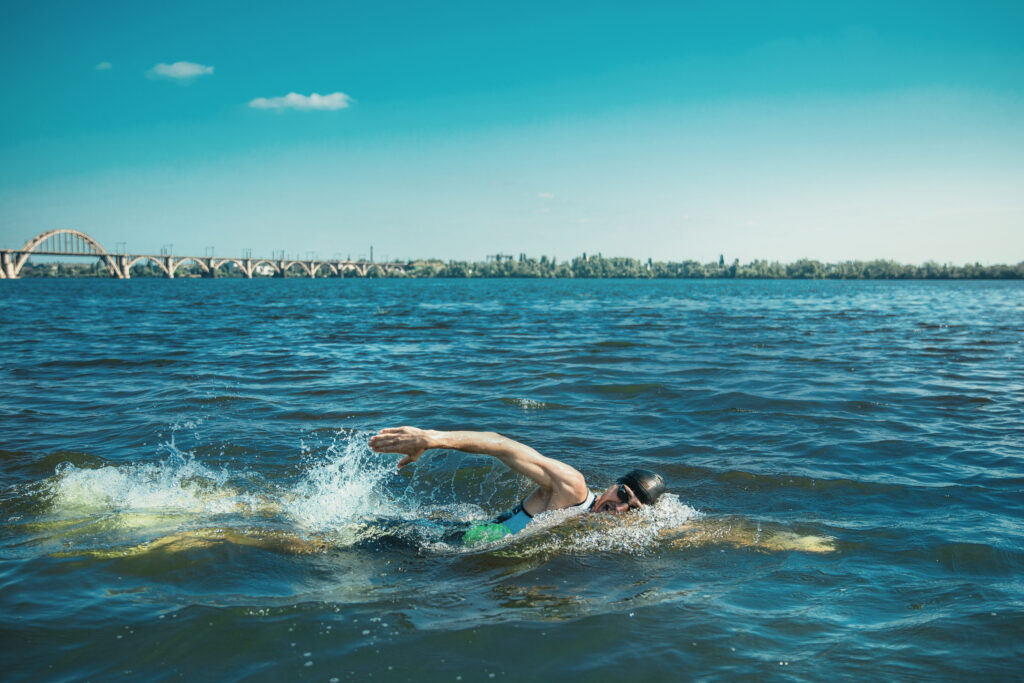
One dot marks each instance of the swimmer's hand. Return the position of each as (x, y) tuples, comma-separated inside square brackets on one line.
[(409, 441)]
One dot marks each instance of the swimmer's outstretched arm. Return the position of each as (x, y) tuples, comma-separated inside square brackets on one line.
[(561, 484)]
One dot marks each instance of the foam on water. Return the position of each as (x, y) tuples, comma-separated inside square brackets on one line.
[(175, 484), (344, 485), (340, 496), (636, 532), (644, 527), (574, 532), (530, 403)]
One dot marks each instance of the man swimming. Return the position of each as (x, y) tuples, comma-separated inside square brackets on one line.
[(559, 486)]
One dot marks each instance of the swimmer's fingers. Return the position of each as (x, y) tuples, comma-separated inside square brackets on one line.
[(400, 430), (381, 443), (387, 442), (408, 456), (389, 436), (406, 440), (409, 459), (393, 444)]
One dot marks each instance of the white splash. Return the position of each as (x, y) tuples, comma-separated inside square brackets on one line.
[(529, 403), (634, 532), (175, 484), (574, 532), (341, 488)]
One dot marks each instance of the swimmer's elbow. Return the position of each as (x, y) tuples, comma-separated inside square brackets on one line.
[(572, 483)]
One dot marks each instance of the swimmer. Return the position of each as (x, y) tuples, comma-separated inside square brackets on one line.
[(559, 486)]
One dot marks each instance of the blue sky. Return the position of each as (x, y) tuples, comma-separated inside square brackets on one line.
[(455, 130)]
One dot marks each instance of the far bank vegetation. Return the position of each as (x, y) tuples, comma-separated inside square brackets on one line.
[(598, 266)]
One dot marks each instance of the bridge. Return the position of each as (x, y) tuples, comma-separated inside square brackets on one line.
[(67, 242)]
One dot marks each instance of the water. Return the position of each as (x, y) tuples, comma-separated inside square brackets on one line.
[(187, 491)]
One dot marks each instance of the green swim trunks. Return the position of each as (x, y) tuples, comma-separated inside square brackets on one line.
[(488, 532)]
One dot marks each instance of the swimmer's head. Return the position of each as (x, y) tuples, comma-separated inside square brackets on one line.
[(648, 486), (633, 490)]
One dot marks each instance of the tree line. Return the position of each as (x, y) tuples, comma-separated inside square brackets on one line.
[(598, 266)]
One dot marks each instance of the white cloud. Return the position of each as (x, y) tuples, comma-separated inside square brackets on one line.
[(293, 100), (546, 195), (104, 66), (180, 71)]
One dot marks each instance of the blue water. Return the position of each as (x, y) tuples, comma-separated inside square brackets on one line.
[(187, 492)]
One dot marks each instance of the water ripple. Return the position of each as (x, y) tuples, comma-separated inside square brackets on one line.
[(184, 474)]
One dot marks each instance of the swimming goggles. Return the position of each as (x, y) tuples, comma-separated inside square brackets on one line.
[(623, 493)]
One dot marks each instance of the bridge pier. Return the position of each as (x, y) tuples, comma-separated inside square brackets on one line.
[(168, 266), (7, 265), (210, 270), (247, 267), (122, 271)]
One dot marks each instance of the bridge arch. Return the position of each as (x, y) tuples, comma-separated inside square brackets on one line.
[(66, 241), (256, 267), (215, 265), (177, 264), (159, 263), (288, 265), (317, 265)]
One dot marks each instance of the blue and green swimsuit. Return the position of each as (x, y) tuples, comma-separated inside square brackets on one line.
[(512, 522)]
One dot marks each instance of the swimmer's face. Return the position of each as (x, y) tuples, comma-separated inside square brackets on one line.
[(618, 498)]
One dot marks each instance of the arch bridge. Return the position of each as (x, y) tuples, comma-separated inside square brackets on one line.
[(66, 242)]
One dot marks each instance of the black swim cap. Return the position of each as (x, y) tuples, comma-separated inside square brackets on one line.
[(648, 486)]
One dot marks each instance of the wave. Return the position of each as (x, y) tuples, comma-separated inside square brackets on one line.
[(533, 404), (223, 400), (110, 363), (966, 558), (628, 391), (751, 481), (618, 344)]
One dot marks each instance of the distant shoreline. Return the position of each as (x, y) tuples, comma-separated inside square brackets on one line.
[(601, 267)]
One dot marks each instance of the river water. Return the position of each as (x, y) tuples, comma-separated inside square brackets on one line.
[(187, 491)]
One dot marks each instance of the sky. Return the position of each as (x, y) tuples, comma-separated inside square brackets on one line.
[(455, 130)]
